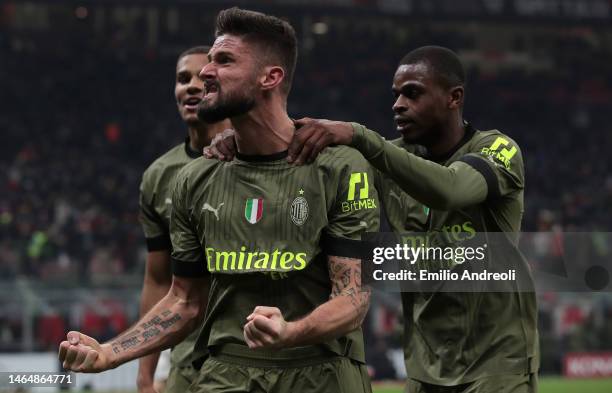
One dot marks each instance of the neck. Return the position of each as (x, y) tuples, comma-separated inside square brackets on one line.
[(449, 137), (266, 129), (200, 135)]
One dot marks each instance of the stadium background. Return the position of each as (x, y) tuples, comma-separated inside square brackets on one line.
[(87, 103)]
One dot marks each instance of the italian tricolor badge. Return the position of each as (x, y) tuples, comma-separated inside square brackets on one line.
[(253, 210)]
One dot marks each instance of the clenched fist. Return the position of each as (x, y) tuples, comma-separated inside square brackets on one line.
[(266, 328), (84, 354)]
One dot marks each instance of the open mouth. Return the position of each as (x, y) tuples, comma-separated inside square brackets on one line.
[(210, 88), (192, 103)]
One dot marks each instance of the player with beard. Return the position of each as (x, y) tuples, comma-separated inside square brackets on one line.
[(278, 242), (155, 206), (445, 177)]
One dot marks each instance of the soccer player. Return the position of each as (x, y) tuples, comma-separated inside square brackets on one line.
[(155, 206), (277, 242), (469, 182), (443, 176)]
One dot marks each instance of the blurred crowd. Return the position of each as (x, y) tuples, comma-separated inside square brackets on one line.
[(82, 120)]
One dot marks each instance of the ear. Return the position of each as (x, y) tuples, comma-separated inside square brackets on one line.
[(272, 77), (455, 97)]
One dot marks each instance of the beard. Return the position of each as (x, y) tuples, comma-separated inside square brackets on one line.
[(226, 107)]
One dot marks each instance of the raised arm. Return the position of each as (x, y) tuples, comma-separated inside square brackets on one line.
[(165, 325), (469, 181), (435, 185)]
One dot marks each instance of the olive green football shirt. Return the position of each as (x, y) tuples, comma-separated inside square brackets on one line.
[(155, 207), (476, 190), (263, 229)]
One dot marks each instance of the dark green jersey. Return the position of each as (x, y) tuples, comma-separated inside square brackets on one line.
[(402, 211), (454, 338), (156, 194), (155, 206), (263, 228)]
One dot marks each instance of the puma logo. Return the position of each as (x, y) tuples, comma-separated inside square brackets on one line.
[(212, 209), (396, 196)]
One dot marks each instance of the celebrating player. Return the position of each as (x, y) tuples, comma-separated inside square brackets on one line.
[(277, 241), (156, 203), (478, 342), (443, 174)]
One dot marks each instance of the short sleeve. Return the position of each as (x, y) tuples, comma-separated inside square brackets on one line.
[(356, 206), (187, 251), (154, 228), (500, 161)]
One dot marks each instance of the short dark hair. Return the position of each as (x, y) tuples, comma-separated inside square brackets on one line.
[(194, 50), (446, 65), (275, 36)]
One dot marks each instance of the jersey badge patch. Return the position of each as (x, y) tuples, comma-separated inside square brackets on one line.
[(253, 210), (299, 209)]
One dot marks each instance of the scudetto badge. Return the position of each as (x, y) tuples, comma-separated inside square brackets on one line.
[(299, 210), (253, 210)]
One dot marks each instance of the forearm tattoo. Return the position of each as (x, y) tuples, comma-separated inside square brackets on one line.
[(345, 275), (146, 331)]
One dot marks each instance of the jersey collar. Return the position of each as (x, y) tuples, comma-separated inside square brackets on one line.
[(189, 151), (469, 133), (262, 158)]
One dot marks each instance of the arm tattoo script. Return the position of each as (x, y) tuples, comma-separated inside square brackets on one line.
[(146, 331), (345, 275)]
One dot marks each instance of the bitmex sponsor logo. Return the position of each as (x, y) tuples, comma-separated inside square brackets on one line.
[(245, 260), (504, 155), (362, 201)]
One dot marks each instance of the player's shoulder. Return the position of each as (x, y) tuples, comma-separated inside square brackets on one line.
[(491, 137), (198, 168), (340, 156), (337, 161), (172, 157), (497, 147)]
